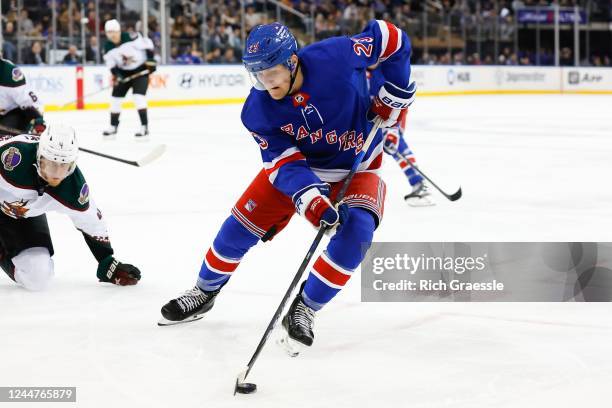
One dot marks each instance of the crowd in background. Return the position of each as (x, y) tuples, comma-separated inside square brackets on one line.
[(442, 31)]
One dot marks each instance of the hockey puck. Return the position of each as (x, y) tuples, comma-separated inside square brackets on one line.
[(245, 388)]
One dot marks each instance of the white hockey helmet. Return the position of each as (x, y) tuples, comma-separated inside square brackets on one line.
[(112, 25), (57, 145)]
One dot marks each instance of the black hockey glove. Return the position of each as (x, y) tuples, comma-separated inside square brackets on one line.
[(113, 271)]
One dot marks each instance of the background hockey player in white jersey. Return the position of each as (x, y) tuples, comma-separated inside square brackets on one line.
[(20, 107), (37, 176), (130, 58)]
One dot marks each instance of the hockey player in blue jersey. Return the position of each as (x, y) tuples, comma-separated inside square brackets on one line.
[(395, 145), (309, 111)]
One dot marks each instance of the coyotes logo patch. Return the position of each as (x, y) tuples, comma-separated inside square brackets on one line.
[(127, 59), (11, 158), (15, 209)]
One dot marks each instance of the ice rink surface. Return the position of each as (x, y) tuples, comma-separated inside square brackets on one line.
[(532, 168)]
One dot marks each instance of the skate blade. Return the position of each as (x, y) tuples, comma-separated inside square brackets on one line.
[(290, 346), (165, 322), (109, 137), (419, 202), (142, 138)]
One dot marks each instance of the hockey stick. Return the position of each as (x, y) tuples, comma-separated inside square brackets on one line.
[(452, 197), (12, 131), (249, 387), (122, 81), (154, 154)]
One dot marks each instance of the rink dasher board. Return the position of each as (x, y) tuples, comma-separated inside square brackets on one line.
[(181, 85)]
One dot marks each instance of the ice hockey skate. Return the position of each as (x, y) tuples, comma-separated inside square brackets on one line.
[(110, 133), (420, 196), (142, 135), (190, 306), (297, 325)]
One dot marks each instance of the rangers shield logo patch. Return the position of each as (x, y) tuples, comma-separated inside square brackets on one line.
[(11, 158), (250, 205), (84, 194)]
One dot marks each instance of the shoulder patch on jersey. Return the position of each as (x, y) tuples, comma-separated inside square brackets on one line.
[(84, 194), (11, 158), (17, 74), (17, 163), (10, 75)]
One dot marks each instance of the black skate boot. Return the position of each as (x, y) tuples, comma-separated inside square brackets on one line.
[(298, 323), (188, 307)]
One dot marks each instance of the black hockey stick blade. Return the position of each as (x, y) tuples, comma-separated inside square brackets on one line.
[(455, 196), (242, 387)]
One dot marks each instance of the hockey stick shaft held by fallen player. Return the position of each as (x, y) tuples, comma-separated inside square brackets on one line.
[(154, 154), (309, 254), (123, 80)]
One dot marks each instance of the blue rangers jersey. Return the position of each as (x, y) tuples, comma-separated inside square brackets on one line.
[(311, 137)]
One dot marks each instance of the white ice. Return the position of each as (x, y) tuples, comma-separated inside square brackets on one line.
[(532, 168)]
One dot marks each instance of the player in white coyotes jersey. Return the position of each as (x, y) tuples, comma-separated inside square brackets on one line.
[(130, 58), (20, 107), (38, 175)]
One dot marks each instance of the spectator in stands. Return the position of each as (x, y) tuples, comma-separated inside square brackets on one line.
[(513, 60), (9, 50), (566, 58), (189, 56), (71, 58), (92, 50), (235, 41), (35, 55), (26, 26), (214, 57), (92, 20), (251, 18), (229, 57)]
